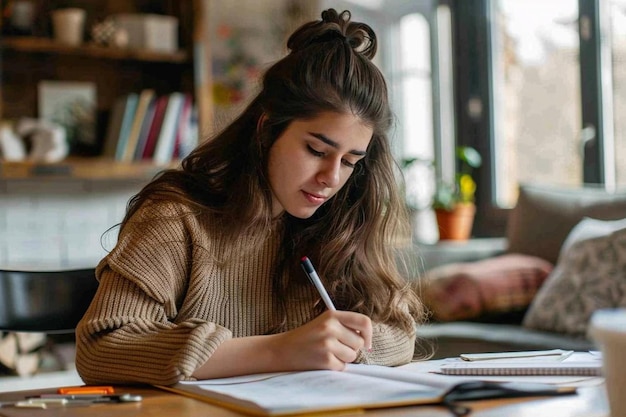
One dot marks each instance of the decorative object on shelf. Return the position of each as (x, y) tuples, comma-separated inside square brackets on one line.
[(33, 140), (149, 31), (454, 202), (47, 140), (12, 146), (108, 33), (18, 17), (71, 105), (68, 25)]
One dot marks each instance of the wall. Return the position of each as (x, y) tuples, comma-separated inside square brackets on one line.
[(55, 224), (247, 36)]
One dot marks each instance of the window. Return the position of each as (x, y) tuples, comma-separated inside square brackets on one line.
[(536, 95), (616, 13), (407, 32), (540, 88), (416, 57), (411, 84)]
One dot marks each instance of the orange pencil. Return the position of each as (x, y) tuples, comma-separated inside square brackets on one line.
[(93, 389)]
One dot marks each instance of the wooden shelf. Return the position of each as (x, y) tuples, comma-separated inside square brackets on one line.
[(81, 169), (47, 45), (116, 72)]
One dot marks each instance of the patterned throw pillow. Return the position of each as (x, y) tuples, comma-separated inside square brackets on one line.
[(471, 290), (590, 274)]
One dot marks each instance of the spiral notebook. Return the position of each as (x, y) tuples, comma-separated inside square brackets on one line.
[(520, 368)]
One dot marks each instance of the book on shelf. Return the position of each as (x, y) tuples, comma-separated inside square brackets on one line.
[(166, 141), (127, 120), (155, 127), (114, 127), (358, 387), (182, 130), (145, 129), (143, 103), (192, 138)]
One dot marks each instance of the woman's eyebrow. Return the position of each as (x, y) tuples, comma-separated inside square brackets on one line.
[(334, 144)]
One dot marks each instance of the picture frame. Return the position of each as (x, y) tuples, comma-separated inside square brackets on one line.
[(72, 105)]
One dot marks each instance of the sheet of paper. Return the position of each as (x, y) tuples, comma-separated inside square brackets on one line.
[(318, 389)]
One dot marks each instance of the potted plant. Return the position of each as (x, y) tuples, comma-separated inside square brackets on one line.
[(454, 202)]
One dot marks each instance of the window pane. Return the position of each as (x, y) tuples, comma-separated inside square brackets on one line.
[(412, 97), (617, 16), (537, 112), (415, 87)]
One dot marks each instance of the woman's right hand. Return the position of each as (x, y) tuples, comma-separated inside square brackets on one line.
[(330, 341)]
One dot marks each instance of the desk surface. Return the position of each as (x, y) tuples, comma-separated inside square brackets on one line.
[(589, 401)]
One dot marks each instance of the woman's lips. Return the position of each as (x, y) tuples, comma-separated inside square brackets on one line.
[(314, 198)]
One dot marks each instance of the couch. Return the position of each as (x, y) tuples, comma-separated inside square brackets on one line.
[(563, 256)]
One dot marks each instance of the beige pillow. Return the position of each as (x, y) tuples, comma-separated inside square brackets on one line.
[(544, 216), (469, 290), (591, 274)]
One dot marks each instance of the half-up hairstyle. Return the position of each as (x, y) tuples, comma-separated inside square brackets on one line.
[(351, 238)]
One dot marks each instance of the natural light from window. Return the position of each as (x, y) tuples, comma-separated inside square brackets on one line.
[(617, 15), (537, 112)]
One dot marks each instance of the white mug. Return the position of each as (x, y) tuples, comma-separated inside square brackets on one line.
[(608, 329), (68, 25)]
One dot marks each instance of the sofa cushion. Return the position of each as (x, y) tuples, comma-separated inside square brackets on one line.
[(544, 216), (469, 290), (590, 274)]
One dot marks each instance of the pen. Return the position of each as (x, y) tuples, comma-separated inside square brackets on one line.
[(315, 280)]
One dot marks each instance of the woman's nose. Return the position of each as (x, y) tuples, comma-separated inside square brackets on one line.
[(329, 173)]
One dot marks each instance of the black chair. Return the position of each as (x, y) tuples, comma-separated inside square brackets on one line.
[(50, 302)]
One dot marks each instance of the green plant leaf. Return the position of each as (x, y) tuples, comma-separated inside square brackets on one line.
[(469, 155)]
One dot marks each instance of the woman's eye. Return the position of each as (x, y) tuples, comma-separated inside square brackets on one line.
[(348, 163), (315, 152)]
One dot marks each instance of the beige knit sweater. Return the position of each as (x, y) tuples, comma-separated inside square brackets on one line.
[(168, 298)]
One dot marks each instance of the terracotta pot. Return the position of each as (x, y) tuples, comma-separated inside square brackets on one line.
[(457, 223)]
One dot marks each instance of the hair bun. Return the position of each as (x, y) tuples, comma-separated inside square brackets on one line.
[(335, 26)]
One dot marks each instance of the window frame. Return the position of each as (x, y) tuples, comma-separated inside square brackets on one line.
[(474, 84)]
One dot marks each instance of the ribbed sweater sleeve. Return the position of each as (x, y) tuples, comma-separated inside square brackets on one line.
[(134, 330), (390, 346)]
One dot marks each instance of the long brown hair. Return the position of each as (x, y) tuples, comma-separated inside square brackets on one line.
[(352, 239)]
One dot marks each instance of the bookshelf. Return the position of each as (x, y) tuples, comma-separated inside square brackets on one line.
[(28, 59), (46, 45), (81, 169)]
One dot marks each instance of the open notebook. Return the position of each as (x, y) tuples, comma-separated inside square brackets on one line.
[(358, 387)]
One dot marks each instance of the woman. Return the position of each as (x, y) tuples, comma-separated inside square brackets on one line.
[(205, 279)]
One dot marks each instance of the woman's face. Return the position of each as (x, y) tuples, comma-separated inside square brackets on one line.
[(313, 159)]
